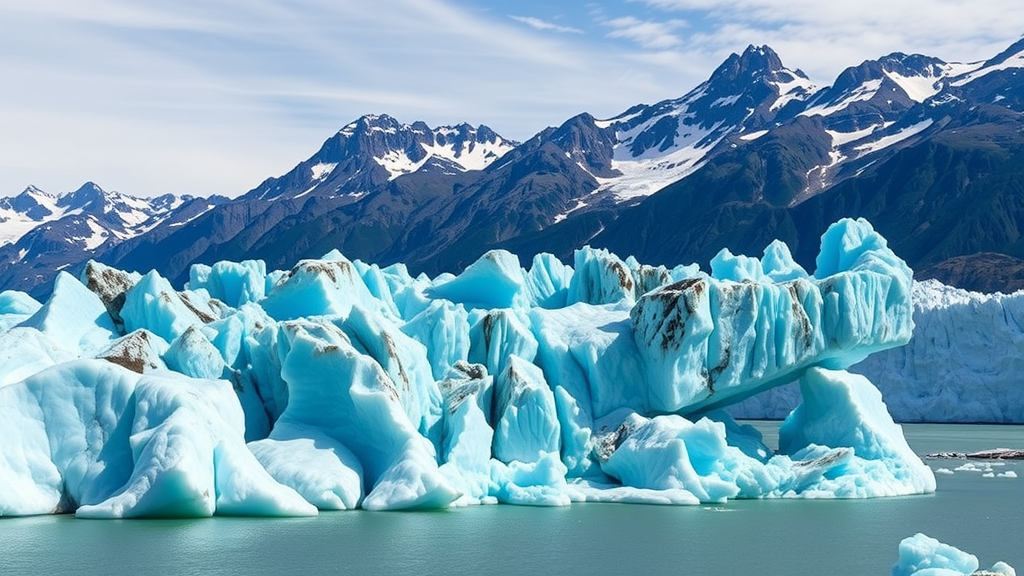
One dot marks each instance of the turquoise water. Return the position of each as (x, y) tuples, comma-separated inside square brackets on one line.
[(984, 516)]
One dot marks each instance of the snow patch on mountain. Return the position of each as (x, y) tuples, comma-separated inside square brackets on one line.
[(20, 214), (918, 88), (98, 237), (1008, 62), (841, 138), (864, 92), (467, 155), (886, 141), (407, 148), (471, 155), (580, 204), (320, 170), (796, 89), (653, 170)]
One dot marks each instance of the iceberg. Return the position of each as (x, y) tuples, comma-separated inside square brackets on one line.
[(840, 443), (963, 363), (921, 555), (339, 385), (94, 438)]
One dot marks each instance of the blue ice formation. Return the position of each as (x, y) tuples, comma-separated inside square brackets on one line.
[(969, 340), (339, 384), (921, 555)]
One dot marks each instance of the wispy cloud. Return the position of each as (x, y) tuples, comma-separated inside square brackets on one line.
[(651, 34), (538, 24)]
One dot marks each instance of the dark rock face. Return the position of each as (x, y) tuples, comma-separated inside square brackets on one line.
[(981, 272)]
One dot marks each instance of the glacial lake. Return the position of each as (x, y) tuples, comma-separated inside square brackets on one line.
[(984, 516)]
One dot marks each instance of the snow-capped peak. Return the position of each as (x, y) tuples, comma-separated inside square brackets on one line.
[(895, 81), (20, 214), (119, 215), (376, 148), (662, 143), (463, 146)]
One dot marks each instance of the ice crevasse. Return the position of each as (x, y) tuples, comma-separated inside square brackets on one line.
[(338, 384)]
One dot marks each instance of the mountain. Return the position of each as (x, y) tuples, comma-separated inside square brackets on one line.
[(41, 233), (376, 149), (660, 144), (929, 151), (386, 191), (934, 163)]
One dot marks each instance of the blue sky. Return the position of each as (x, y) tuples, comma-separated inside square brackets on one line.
[(213, 96)]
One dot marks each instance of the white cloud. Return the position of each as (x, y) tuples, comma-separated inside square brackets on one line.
[(649, 34), (823, 38), (538, 24)]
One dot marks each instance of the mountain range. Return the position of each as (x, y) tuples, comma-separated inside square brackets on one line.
[(931, 152)]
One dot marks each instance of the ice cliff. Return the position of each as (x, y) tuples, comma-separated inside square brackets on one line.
[(339, 384), (963, 363)]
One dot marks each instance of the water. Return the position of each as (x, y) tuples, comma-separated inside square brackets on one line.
[(984, 516)]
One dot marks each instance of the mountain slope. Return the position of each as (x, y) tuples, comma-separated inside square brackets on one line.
[(941, 181)]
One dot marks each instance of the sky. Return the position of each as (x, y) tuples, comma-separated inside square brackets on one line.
[(214, 96)]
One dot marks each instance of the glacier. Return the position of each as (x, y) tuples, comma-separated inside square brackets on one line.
[(963, 363), (339, 384)]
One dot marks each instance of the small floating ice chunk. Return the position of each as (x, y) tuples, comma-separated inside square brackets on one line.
[(920, 555)]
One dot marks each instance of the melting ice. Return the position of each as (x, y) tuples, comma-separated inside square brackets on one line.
[(338, 384)]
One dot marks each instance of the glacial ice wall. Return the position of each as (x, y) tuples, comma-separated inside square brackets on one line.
[(963, 364), (339, 384)]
